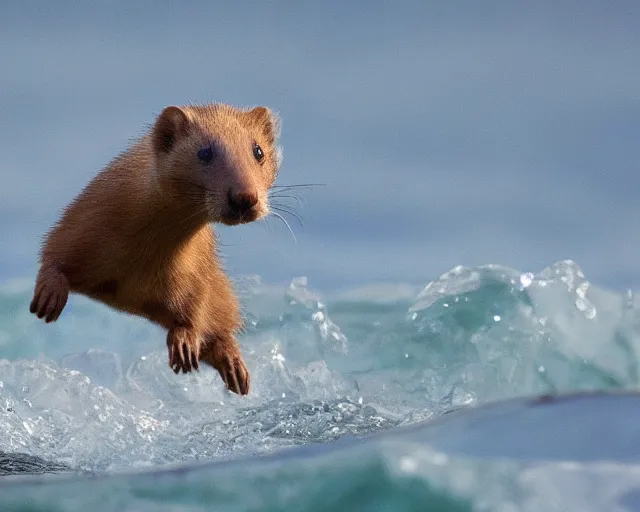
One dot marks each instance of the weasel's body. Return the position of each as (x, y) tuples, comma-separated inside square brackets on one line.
[(138, 237)]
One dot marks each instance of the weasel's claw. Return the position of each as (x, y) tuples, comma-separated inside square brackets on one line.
[(235, 375), (51, 295), (184, 349)]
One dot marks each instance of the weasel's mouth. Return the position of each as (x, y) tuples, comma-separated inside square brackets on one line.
[(233, 218)]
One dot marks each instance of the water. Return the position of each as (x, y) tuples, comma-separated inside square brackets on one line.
[(380, 398)]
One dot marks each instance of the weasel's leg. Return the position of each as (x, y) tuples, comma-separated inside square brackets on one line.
[(223, 353), (184, 348), (50, 294)]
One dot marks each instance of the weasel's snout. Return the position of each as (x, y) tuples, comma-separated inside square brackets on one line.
[(242, 201)]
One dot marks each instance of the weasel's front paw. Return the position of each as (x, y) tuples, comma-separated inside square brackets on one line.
[(50, 296), (184, 349), (223, 353), (234, 373)]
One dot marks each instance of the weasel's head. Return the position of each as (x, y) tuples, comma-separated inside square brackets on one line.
[(220, 159)]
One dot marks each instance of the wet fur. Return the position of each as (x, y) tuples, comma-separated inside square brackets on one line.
[(138, 236)]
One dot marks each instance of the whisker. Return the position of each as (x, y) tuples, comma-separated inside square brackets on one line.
[(281, 209), (302, 185), (286, 196), (286, 224), (266, 222)]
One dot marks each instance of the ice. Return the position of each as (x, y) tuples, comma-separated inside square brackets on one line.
[(576, 453), (89, 411), (321, 368), (303, 314), (103, 368), (583, 337), (20, 463)]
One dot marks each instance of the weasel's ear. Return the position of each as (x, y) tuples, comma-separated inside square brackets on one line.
[(172, 123), (267, 121)]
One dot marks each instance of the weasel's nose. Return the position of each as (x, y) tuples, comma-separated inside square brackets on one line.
[(243, 201)]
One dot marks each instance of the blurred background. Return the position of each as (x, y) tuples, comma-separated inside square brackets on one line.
[(444, 133)]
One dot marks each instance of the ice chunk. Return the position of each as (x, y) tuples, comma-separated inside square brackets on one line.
[(103, 368)]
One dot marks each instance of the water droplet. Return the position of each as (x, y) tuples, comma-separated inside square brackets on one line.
[(408, 464), (526, 279)]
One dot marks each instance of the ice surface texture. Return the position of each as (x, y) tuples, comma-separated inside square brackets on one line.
[(323, 368)]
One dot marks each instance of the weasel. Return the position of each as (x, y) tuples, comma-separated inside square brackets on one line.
[(138, 237)]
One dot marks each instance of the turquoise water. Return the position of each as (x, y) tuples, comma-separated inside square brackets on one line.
[(386, 397)]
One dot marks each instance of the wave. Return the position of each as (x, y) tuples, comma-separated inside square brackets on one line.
[(324, 369)]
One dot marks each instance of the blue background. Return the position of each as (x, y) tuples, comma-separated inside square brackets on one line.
[(445, 133)]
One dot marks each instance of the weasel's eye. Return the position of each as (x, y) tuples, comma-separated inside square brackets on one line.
[(257, 152), (205, 155)]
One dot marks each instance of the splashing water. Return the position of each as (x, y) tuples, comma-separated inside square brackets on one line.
[(371, 360)]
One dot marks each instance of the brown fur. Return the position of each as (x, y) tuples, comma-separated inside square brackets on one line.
[(138, 237)]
